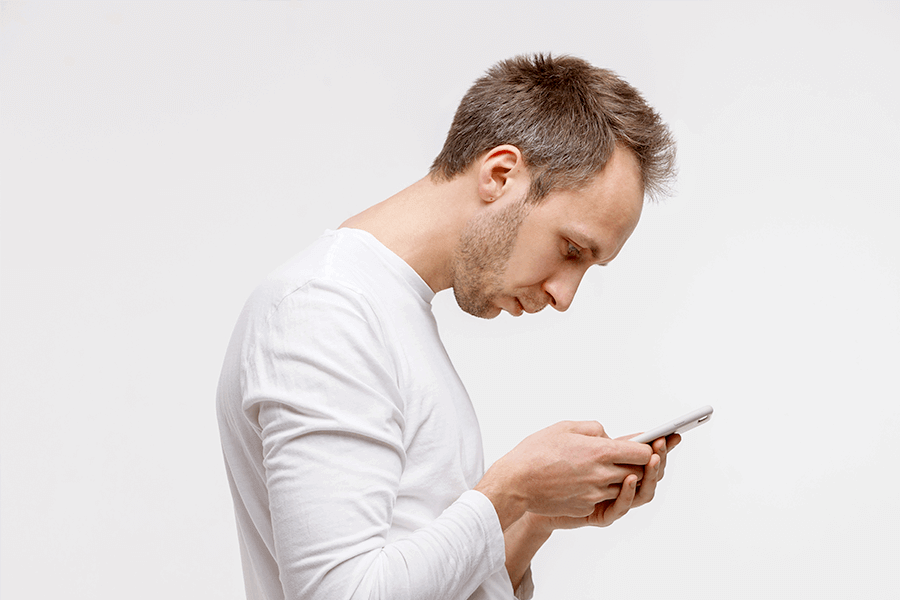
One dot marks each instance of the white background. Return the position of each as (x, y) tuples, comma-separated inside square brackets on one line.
[(159, 159)]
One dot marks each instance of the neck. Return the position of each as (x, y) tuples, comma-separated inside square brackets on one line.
[(422, 225)]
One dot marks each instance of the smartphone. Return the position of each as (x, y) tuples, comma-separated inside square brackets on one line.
[(679, 425)]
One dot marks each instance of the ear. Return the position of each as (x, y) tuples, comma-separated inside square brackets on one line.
[(501, 170)]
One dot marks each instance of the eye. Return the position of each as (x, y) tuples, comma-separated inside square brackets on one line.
[(573, 251)]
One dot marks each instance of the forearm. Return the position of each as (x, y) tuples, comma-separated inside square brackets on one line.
[(342, 547), (523, 532), (523, 539)]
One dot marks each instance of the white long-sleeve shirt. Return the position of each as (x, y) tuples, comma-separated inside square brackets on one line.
[(350, 443)]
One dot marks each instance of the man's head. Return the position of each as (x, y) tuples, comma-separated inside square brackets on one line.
[(522, 256), (588, 148), (565, 116)]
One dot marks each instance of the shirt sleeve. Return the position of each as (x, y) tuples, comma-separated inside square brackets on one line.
[(320, 385)]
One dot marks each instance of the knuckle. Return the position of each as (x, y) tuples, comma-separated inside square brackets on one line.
[(601, 454)]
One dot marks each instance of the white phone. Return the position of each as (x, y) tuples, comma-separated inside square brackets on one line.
[(679, 425)]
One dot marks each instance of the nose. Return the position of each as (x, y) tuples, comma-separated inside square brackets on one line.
[(561, 288)]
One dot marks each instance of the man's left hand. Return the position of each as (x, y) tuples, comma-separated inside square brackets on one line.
[(632, 494)]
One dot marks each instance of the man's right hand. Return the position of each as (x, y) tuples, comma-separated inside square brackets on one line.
[(563, 470)]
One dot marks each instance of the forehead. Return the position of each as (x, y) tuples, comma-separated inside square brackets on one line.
[(603, 214)]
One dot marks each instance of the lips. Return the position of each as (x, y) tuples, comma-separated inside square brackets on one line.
[(519, 308), (529, 310)]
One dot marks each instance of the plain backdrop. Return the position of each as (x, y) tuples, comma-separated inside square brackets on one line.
[(159, 159)]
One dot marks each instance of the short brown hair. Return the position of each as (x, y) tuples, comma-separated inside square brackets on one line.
[(565, 116)]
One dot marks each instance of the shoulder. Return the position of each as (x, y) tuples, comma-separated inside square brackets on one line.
[(328, 291), (328, 271)]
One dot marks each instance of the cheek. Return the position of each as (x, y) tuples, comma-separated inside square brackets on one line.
[(526, 269)]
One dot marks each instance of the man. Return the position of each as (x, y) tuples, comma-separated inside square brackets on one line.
[(352, 449)]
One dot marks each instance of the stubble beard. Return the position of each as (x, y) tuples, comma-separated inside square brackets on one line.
[(481, 256)]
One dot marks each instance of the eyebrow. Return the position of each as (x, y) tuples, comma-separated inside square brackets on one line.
[(585, 242)]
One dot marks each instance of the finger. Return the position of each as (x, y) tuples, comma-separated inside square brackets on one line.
[(615, 476), (660, 448), (630, 453), (672, 441), (592, 428), (616, 510), (648, 484)]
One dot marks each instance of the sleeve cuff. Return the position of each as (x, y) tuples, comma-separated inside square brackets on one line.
[(526, 588), (494, 542)]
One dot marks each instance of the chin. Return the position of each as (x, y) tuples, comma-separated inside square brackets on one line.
[(489, 311), (477, 305)]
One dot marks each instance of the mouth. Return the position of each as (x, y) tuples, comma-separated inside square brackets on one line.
[(530, 311), (517, 309)]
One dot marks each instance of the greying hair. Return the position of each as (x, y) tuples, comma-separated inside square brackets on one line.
[(566, 117)]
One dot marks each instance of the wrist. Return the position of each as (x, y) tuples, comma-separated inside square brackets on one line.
[(510, 504), (538, 525)]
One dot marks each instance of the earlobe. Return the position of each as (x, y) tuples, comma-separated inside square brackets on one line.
[(499, 168)]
